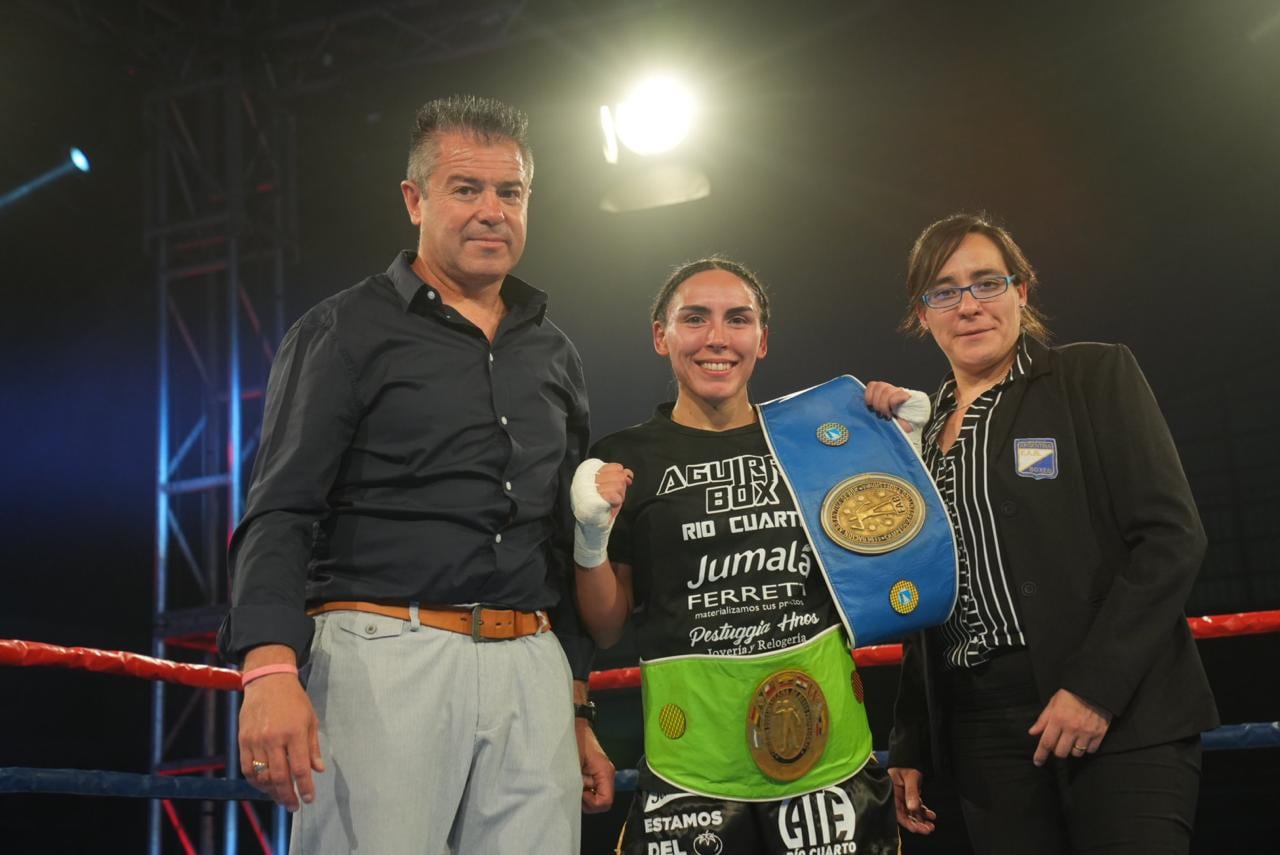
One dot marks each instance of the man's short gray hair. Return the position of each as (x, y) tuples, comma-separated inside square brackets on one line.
[(490, 120)]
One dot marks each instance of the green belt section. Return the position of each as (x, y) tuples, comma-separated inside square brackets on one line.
[(709, 699)]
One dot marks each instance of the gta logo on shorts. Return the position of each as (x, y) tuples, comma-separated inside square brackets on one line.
[(820, 823), (1036, 458)]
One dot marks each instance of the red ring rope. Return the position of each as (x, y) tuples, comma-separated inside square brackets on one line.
[(15, 652)]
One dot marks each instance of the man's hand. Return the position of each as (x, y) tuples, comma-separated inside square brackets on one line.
[(597, 770), (1069, 725), (278, 726), (912, 813)]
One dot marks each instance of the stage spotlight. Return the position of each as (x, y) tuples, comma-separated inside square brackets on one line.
[(76, 161), (650, 124), (656, 116)]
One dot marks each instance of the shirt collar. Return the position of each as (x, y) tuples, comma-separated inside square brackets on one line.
[(523, 300), (663, 420)]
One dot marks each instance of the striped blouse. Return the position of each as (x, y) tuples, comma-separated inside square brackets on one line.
[(985, 617)]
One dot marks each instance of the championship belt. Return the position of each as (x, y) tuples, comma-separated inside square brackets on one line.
[(756, 728), (877, 524)]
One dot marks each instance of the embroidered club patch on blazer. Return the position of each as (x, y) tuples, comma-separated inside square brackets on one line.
[(1036, 458)]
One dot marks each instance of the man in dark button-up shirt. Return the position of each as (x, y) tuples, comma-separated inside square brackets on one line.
[(421, 432)]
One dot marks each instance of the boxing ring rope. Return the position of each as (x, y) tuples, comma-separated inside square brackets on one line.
[(28, 653), (1249, 735), (32, 653)]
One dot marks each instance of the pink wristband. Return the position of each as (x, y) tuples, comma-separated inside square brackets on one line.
[(266, 671)]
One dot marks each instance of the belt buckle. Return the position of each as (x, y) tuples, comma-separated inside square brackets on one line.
[(476, 623), (788, 724)]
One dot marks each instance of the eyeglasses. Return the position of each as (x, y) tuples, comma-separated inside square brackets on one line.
[(951, 295)]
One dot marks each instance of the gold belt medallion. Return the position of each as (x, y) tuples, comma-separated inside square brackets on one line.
[(873, 513), (787, 725)]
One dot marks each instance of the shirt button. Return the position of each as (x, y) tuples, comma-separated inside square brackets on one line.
[(497, 538), (1028, 589), (1008, 508), (431, 295), (491, 359), (502, 419), (508, 486)]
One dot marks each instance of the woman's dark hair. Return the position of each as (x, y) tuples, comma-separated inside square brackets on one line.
[(713, 262), (936, 244)]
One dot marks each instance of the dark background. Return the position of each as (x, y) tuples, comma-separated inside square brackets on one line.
[(1132, 148)]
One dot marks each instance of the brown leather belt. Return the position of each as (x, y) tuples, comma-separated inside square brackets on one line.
[(482, 623)]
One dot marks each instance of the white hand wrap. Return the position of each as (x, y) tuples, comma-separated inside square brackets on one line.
[(592, 515), (915, 410)]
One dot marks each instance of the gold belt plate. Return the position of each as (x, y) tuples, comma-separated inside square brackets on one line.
[(787, 724), (872, 513)]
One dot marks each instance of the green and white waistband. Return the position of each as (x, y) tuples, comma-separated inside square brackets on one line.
[(756, 728)]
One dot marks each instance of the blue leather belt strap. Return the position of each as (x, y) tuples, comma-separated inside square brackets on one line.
[(881, 597)]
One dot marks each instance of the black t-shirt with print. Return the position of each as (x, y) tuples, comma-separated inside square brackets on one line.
[(719, 558)]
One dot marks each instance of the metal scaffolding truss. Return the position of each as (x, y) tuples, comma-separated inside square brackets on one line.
[(221, 226)]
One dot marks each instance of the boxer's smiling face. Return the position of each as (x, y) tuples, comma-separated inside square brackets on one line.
[(713, 336)]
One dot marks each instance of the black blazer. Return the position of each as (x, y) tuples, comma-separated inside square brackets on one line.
[(1102, 557)]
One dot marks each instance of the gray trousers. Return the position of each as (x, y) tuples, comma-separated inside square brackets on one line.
[(436, 744)]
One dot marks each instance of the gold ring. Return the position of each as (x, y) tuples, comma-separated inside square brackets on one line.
[(1080, 748), (259, 767)]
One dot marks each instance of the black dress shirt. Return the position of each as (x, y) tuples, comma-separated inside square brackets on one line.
[(405, 458), (986, 616)]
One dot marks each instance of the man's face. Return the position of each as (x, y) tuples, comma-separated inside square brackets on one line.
[(713, 336), (976, 335), (471, 217)]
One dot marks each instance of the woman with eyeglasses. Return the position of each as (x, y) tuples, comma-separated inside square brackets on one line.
[(1064, 695)]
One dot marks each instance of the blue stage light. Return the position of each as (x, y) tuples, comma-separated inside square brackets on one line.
[(76, 160)]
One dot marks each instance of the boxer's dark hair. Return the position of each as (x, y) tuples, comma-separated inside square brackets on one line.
[(712, 262)]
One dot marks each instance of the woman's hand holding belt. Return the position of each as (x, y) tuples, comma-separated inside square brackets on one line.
[(911, 408)]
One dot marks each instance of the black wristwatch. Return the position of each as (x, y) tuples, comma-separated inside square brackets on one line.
[(587, 711)]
